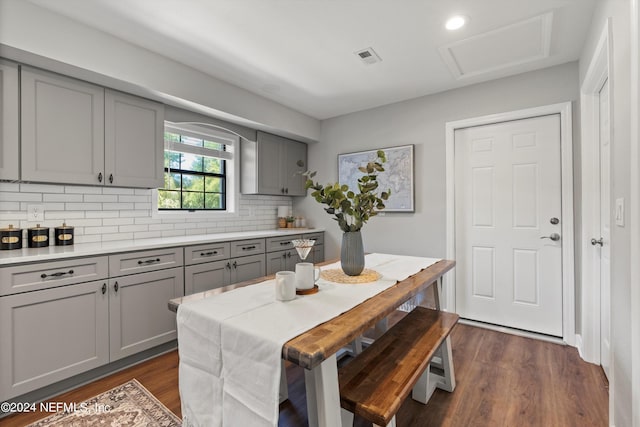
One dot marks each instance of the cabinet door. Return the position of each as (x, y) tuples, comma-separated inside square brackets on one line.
[(292, 259), (295, 155), (318, 254), (9, 121), (62, 129), (269, 165), (138, 315), (247, 268), (51, 335), (206, 276), (134, 141), (276, 261)]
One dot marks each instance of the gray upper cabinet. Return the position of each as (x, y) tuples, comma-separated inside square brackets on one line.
[(272, 165), (62, 129), (134, 141), (9, 121), (75, 132)]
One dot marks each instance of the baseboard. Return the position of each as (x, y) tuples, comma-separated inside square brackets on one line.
[(513, 331), (579, 346)]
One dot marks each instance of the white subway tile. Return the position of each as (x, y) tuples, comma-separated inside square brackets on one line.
[(49, 206), (160, 227), (67, 198), (83, 206), (87, 239), (41, 188), (147, 220), (117, 221), (101, 198), (9, 186), (72, 189), (143, 192), (133, 199), (63, 215), (10, 206), (141, 206), (117, 236), (133, 228), (133, 214), (102, 214), (117, 206), (147, 235), (11, 216), (116, 190), (20, 197), (100, 230), (173, 233)]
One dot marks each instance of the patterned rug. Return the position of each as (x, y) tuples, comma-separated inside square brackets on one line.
[(129, 404)]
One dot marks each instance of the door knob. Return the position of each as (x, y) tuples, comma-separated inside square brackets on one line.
[(554, 236), (597, 242)]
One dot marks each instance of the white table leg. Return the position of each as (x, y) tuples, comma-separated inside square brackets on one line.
[(323, 394), (284, 387)]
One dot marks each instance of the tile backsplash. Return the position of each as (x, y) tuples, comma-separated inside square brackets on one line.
[(101, 214)]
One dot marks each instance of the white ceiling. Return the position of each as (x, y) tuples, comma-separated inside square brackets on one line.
[(300, 53)]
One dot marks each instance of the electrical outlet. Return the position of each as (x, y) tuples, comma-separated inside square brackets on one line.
[(35, 213)]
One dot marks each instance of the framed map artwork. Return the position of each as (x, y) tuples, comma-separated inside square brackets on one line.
[(397, 175)]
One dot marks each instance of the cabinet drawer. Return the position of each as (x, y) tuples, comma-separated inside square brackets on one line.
[(206, 253), (318, 237), (247, 247), (143, 261), (32, 277), (281, 243)]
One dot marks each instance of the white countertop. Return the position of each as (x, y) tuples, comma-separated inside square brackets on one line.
[(27, 255)]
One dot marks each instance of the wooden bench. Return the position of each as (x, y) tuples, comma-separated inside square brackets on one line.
[(375, 383)]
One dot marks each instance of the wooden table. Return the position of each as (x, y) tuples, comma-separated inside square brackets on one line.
[(315, 350)]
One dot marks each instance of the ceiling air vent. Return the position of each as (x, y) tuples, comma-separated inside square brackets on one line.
[(368, 56)]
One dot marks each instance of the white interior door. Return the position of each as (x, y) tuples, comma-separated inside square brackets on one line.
[(604, 240), (508, 222)]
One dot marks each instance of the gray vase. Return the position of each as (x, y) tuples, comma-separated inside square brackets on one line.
[(352, 253)]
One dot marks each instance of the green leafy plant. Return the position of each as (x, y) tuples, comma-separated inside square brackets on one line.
[(352, 210)]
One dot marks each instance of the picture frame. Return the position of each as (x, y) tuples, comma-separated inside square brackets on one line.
[(397, 176)]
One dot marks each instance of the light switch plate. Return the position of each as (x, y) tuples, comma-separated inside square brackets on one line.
[(619, 212)]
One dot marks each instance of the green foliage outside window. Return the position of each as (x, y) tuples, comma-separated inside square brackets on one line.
[(192, 181)]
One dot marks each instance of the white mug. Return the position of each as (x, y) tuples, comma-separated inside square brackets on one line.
[(285, 285), (306, 275)]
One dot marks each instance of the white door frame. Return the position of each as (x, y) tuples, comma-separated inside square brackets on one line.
[(634, 217), (597, 73), (566, 149)]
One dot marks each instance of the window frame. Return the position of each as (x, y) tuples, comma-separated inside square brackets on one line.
[(211, 133)]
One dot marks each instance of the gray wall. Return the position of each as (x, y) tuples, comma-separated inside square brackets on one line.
[(619, 11), (421, 122)]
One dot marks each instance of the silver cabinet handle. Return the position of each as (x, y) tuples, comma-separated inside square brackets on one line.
[(554, 236), (597, 242)]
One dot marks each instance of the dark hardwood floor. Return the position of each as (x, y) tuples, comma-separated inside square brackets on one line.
[(502, 380)]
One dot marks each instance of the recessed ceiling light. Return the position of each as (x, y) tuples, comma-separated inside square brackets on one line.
[(456, 22)]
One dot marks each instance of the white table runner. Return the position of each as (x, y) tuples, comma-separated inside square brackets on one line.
[(230, 345)]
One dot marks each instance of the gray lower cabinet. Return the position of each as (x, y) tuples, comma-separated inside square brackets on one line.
[(216, 265), (138, 314), (9, 131), (282, 261), (52, 334), (210, 275)]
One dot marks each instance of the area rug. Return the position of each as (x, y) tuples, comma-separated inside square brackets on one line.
[(129, 404)]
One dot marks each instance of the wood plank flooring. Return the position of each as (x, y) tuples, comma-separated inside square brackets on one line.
[(502, 380)]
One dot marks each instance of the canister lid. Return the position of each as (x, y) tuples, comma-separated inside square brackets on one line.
[(64, 226), (37, 228), (10, 228)]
